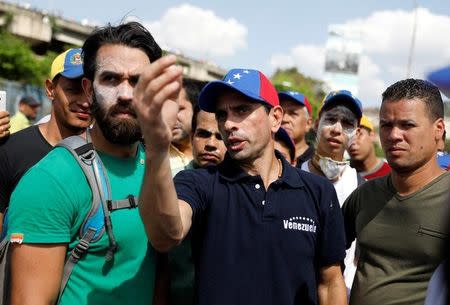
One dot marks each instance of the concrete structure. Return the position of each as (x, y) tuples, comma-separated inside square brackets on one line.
[(45, 32)]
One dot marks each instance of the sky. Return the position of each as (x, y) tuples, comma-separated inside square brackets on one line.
[(267, 35)]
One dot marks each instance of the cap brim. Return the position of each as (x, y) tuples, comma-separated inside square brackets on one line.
[(211, 92), (74, 73)]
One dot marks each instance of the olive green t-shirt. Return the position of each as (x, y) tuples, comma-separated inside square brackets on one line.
[(51, 202), (400, 239)]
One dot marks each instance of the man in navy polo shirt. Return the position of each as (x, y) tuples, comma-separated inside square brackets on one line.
[(264, 232)]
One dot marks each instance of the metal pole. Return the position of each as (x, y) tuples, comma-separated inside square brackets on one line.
[(413, 41)]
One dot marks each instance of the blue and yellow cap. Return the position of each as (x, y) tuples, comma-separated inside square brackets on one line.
[(69, 64)]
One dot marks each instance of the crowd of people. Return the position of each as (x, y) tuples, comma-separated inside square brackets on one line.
[(210, 193)]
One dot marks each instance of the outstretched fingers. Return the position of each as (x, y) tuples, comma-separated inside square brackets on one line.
[(158, 83)]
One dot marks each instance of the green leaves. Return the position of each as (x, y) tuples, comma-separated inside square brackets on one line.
[(291, 79), (18, 62)]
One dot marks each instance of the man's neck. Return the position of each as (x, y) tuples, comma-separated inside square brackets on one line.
[(185, 148), (54, 132), (367, 165), (267, 166), (300, 148), (103, 145), (407, 183)]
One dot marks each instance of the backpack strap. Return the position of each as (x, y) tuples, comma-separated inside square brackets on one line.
[(98, 219), (130, 202), (93, 226)]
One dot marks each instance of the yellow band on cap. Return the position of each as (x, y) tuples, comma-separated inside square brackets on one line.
[(365, 122)]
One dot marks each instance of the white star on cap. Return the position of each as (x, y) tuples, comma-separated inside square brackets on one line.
[(293, 93), (230, 82), (237, 75)]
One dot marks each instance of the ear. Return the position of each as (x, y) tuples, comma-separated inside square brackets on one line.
[(49, 87), (373, 136), (439, 125), (308, 125), (87, 88), (276, 115)]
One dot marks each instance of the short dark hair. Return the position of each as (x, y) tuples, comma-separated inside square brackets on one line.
[(420, 89), (193, 88), (194, 118), (132, 34)]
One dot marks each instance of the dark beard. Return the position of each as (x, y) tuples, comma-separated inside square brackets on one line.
[(115, 130)]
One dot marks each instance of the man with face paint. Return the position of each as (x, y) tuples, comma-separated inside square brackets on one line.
[(264, 232), (400, 219), (46, 217), (338, 121)]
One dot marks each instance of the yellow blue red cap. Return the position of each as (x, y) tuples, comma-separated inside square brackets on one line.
[(69, 64)]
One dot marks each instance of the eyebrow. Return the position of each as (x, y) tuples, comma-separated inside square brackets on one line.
[(114, 73)]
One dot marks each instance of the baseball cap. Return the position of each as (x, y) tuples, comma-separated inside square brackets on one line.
[(297, 97), (342, 97), (365, 122), (69, 64), (251, 83), (29, 100)]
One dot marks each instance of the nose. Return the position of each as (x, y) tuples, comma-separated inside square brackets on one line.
[(125, 91), (395, 134), (83, 100), (336, 128), (230, 125), (211, 143)]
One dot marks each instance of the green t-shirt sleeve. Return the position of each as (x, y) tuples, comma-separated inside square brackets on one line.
[(49, 203)]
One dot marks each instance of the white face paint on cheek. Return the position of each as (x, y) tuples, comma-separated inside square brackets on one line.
[(351, 136), (105, 95)]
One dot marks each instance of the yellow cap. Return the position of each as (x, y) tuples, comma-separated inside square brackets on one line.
[(365, 122)]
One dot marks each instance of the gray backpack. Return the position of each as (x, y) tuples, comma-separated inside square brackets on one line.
[(96, 222)]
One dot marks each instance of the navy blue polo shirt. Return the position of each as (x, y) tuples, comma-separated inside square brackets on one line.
[(253, 246)]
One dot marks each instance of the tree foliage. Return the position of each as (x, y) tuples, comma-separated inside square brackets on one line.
[(18, 62), (292, 79)]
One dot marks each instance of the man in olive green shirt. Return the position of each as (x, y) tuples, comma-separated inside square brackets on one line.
[(398, 219)]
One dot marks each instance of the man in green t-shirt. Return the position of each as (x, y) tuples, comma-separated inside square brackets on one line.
[(398, 219), (50, 203)]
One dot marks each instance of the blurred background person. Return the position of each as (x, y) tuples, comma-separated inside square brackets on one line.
[(297, 121), (27, 111), (181, 146), (362, 152), (285, 145)]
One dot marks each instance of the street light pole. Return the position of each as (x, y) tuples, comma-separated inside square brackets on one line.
[(413, 41)]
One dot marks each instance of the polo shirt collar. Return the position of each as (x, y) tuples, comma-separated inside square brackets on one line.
[(232, 172)]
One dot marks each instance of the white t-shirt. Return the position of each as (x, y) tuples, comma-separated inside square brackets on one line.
[(344, 186)]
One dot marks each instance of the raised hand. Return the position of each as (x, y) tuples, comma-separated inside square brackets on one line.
[(155, 102)]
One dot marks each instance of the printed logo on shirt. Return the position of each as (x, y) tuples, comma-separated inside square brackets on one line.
[(300, 223), (16, 238)]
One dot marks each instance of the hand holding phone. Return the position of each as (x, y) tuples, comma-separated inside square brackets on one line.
[(2, 100)]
